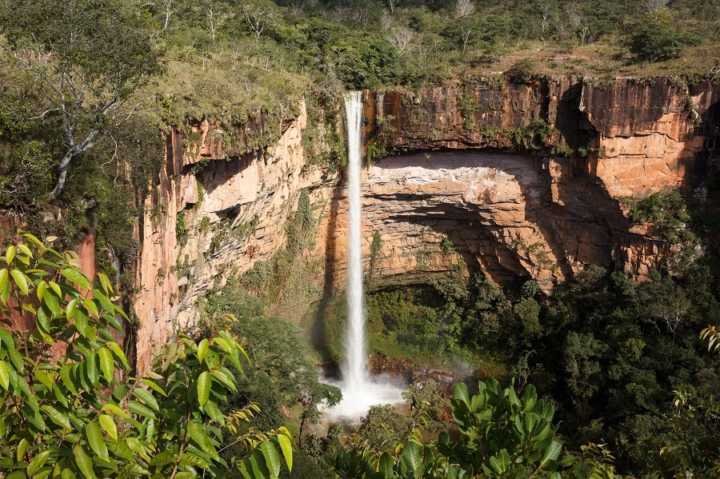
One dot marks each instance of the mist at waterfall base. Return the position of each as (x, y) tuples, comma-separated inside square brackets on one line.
[(359, 391)]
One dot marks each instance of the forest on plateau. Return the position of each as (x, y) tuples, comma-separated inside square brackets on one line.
[(109, 109)]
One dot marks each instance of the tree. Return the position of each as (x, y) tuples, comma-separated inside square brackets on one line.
[(464, 8), (258, 15), (578, 23), (655, 37), (392, 4), (70, 407), (582, 355), (87, 57), (275, 380)]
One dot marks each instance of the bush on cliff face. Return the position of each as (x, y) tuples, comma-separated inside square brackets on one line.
[(667, 212), (70, 407)]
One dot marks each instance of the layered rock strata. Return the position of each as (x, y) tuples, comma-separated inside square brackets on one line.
[(638, 136)]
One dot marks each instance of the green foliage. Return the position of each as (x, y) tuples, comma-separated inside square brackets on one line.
[(494, 434), (85, 59), (453, 316), (503, 434), (447, 246), (277, 380), (522, 72), (712, 336), (531, 137), (409, 316), (468, 108), (614, 354), (281, 283), (125, 149), (323, 138), (625, 348), (688, 430), (75, 32), (668, 214), (79, 412), (375, 247), (181, 231), (655, 37)]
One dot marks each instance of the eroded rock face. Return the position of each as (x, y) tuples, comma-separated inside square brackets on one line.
[(639, 136), (495, 213), (202, 226), (649, 135)]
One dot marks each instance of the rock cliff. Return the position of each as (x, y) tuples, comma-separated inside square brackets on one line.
[(204, 225), (638, 136), (516, 181)]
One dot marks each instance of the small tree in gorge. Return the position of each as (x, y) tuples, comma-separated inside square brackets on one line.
[(86, 56)]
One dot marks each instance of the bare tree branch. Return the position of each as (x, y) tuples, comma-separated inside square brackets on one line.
[(463, 8)]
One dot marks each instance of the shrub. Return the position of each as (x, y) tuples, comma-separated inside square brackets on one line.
[(655, 37), (494, 434), (521, 72), (79, 411), (276, 379), (668, 213)]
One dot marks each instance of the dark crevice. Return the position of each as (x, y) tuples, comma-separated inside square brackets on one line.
[(471, 238), (215, 173), (545, 94), (573, 124)]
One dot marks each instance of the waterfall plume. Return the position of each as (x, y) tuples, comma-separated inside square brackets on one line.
[(360, 391)]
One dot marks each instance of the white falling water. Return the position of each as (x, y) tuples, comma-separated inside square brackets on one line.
[(355, 367), (360, 392)]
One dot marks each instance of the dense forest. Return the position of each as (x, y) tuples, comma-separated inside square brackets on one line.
[(604, 377)]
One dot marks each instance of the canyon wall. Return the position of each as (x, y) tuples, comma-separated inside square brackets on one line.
[(204, 225), (535, 195), (638, 136)]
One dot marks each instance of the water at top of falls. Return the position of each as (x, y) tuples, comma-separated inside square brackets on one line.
[(360, 392)]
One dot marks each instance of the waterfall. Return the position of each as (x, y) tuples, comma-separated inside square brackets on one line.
[(355, 367), (360, 391)]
